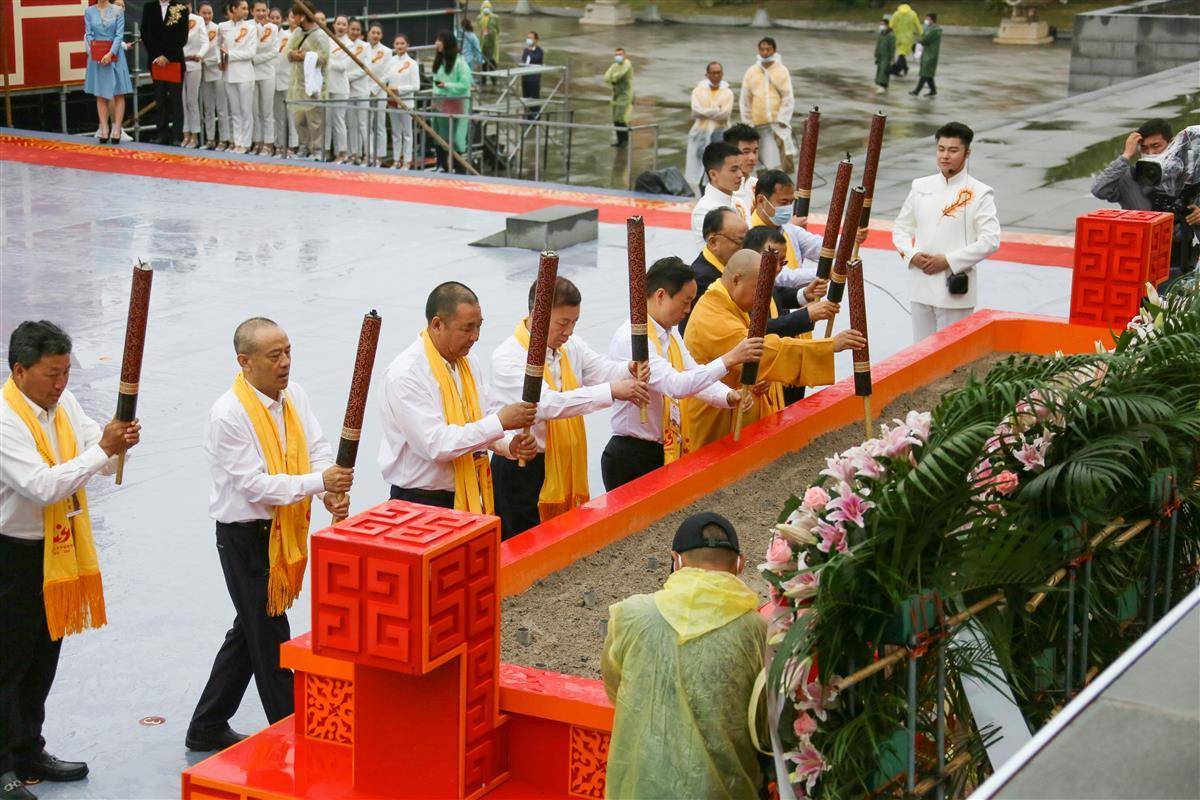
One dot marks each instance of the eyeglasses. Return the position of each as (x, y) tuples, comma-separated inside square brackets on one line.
[(738, 242)]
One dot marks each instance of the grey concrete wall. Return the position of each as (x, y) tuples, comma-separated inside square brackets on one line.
[(1116, 44)]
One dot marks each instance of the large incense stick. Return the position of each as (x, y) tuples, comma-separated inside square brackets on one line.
[(870, 170), (837, 280), (808, 159), (837, 202), (135, 344), (639, 346), (360, 383), (858, 321), (539, 326), (759, 314)]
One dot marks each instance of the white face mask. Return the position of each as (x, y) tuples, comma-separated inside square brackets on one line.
[(764, 60), (528, 42), (618, 58)]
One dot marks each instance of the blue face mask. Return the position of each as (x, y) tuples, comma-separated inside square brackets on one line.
[(618, 58), (783, 215), (529, 42)]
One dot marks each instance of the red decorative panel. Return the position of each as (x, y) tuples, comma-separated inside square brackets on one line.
[(328, 709), (1116, 253), (588, 762)]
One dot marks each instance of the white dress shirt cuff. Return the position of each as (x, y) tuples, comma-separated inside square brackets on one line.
[(313, 483), (93, 459), (716, 368), (492, 427)]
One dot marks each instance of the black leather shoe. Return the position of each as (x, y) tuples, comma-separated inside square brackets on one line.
[(13, 788), (45, 767), (206, 742)]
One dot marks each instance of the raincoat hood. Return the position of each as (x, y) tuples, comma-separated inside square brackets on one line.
[(904, 8), (704, 83), (696, 601)]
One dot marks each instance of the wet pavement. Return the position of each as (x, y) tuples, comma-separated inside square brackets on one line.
[(315, 263)]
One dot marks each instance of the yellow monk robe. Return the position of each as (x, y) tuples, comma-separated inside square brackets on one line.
[(790, 261), (715, 327)]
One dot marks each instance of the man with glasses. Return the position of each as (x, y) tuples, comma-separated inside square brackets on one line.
[(724, 232)]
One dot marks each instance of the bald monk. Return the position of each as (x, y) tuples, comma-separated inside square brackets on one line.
[(721, 319)]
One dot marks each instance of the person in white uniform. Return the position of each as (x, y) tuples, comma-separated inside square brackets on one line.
[(264, 80), (712, 106), (211, 89), (722, 167), (403, 77), (239, 43), (49, 450), (638, 447), (340, 64), (195, 50), (356, 118), (378, 59), (947, 225), (286, 137)]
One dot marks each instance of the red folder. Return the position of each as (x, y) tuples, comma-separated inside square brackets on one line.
[(171, 73), (101, 48)]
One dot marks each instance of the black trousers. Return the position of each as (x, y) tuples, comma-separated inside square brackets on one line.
[(925, 82), (516, 490), (792, 394), (626, 458), (622, 133), (251, 646), (168, 99), (30, 658), (900, 65), (427, 497)]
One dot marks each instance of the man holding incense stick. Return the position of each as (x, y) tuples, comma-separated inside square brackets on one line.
[(721, 319), (638, 447), (50, 584), (576, 381)]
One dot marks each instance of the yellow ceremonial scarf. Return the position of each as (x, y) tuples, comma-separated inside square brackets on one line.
[(287, 550), (675, 434), (712, 259), (71, 584), (566, 483), (772, 400), (472, 472), (790, 261)]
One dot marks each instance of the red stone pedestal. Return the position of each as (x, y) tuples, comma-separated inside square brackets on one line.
[(1116, 254)]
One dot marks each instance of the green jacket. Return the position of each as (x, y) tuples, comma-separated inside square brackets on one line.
[(307, 41), (885, 53), (931, 43), (457, 81), (488, 30), (620, 78)]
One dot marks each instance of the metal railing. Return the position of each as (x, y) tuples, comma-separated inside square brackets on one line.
[(512, 147)]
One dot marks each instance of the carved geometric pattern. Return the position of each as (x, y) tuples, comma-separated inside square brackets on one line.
[(328, 709), (588, 762), (1116, 253)]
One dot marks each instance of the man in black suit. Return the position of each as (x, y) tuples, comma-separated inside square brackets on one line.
[(165, 32)]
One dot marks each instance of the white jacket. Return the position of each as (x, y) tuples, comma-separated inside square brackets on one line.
[(955, 218), (212, 59), (265, 54), (339, 69), (378, 59), (354, 75), (404, 76), (196, 44), (240, 40), (283, 67)]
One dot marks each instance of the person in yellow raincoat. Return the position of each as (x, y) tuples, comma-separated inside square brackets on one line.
[(720, 320), (907, 27), (680, 667)]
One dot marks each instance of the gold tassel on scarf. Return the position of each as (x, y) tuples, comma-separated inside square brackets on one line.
[(71, 584)]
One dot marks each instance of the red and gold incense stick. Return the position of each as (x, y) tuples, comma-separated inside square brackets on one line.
[(759, 314), (360, 384), (539, 327), (837, 202), (858, 321), (808, 160), (837, 279), (135, 344), (870, 170), (639, 345)]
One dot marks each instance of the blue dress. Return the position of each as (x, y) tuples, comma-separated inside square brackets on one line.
[(105, 80)]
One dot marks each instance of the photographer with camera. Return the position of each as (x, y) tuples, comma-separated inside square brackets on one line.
[(1134, 180)]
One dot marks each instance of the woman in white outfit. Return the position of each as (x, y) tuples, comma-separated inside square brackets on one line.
[(194, 52), (239, 42), (356, 119), (378, 60), (286, 137), (263, 136), (210, 81), (403, 77), (339, 92)]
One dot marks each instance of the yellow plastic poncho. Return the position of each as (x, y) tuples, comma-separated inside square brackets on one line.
[(680, 665), (907, 27)]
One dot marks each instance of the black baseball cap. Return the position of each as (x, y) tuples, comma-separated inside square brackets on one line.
[(690, 535)]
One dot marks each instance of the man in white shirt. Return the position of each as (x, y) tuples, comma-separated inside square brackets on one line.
[(947, 225), (239, 43), (746, 139), (32, 484), (774, 195), (712, 106), (638, 447), (576, 381), (435, 432), (267, 457), (264, 80), (722, 165)]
